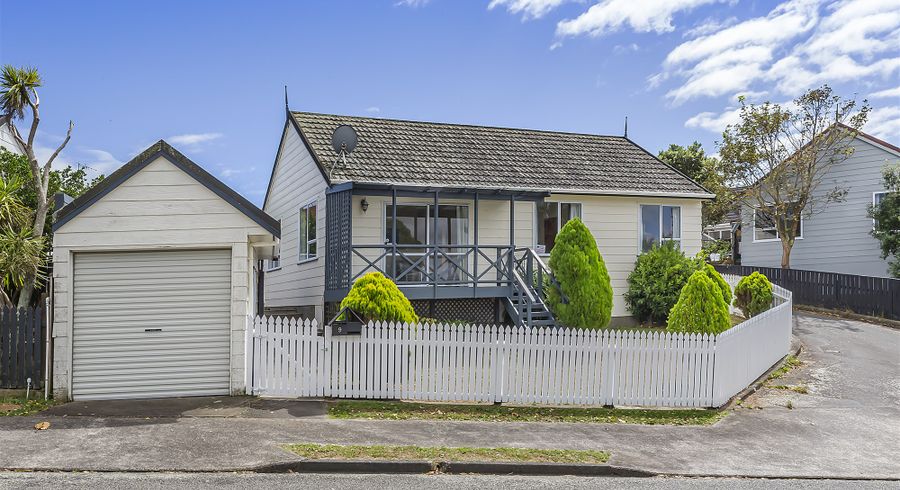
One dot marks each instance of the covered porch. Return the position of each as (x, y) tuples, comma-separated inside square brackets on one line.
[(433, 242)]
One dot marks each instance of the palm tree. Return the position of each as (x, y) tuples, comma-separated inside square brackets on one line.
[(21, 254), (18, 95)]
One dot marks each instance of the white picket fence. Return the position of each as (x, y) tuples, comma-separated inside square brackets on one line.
[(519, 365)]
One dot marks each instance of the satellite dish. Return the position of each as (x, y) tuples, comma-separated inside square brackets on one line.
[(344, 139)]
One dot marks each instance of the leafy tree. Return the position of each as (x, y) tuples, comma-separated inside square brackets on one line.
[(579, 268), (18, 93), (720, 281), (779, 157), (700, 307), (21, 255), (887, 219), (693, 161), (376, 298), (753, 294), (16, 174), (656, 282)]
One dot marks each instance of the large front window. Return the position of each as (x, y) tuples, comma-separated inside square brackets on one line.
[(416, 230), (658, 224), (551, 216)]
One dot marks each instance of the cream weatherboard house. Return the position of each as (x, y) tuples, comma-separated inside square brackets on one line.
[(153, 282), (461, 217)]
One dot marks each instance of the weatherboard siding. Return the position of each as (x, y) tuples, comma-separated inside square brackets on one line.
[(613, 220), (296, 182), (159, 208), (838, 239)]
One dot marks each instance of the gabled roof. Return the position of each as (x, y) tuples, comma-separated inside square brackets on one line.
[(392, 151), (163, 149)]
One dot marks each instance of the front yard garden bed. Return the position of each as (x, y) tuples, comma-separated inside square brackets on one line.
[(390, 410)]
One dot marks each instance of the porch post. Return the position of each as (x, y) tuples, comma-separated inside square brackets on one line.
[(394, 233), (434, 250), (512, 235), (475, 265)]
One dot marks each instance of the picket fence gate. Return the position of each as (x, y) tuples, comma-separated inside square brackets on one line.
[(521, 365)]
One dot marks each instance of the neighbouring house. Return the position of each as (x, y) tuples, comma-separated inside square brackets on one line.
[(459, 216), (837, 239), (8, 141), (153, 282)]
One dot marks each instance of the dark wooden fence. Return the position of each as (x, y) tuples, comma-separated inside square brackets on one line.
[(21, 347), (865, 295)]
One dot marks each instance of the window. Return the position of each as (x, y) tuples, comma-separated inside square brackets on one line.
[(551, 216), (877, 197), (275, 262), (764, 229), (660, 223), (307, 233), (414, 233)]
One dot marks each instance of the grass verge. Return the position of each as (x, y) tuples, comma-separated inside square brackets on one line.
[(433, 454), (790, 363), (379, 410), (10, 406)]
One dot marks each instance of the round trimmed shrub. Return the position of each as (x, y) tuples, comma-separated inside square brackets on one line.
[(579, 268), (376, 298), (656, 281), (753, 294), (700, 307), (720, 281)]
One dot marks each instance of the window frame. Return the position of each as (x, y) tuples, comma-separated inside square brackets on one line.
[(559, 224), (875, 203), (270, 265), (303, 258), (640, 225), (777, 237)]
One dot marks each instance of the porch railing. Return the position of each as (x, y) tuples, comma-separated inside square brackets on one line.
[(437, 265)]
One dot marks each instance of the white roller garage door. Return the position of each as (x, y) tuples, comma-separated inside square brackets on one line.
[(151, 324)]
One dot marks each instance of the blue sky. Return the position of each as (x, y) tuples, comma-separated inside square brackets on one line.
[(208, 76)]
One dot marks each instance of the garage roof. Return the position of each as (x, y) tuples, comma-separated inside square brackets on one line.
[(163, 149)]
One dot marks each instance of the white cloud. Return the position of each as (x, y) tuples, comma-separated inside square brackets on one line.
[(797, 46), (412, 3), (884, 123), (886, 94), (530, 9), (373, 109), (640, 15), (709, 26), (626, 48), (193, 139), (714, 122), (100, 161)]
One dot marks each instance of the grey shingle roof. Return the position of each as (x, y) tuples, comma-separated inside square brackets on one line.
[(411, 152)]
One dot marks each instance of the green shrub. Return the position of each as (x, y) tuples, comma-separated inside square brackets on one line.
[(376, 298), (576, 263), (753, 294), (720, 281), (656, 281), (700, 307)]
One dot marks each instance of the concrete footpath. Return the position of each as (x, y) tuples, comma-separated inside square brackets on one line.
[(847, 426)]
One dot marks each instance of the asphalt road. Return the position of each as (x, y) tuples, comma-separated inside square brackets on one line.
[(101, 481)]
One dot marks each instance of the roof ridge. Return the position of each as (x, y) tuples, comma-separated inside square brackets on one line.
[(463, 125)]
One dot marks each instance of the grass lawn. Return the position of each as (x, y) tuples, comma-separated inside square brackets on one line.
[(432, 454), (389, 410), (20, 406)]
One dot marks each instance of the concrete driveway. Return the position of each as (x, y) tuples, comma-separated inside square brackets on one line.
[(846, 426)]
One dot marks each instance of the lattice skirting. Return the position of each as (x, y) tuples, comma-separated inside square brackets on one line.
[(470, 310)]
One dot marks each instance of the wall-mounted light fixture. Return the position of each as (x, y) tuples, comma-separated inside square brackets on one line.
[(364, 204)]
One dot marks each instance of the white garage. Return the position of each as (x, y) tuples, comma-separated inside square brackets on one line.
[(154, 281)]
